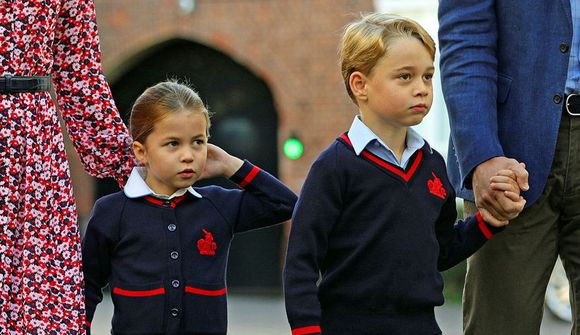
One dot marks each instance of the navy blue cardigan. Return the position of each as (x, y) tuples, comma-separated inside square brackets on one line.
[(379, 236), (165, 261)]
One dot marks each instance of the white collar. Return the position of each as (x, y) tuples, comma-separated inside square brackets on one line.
[(136, 187), (361, 135)]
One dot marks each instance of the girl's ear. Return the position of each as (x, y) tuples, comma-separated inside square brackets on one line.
[(357, 82), (140, 152)]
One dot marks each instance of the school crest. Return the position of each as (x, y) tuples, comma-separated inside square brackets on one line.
[(206, 245), (436, 187)]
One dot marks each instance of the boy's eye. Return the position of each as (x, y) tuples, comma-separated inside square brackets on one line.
[(199, 142), (405, 76), (172, 144), (428, 76)]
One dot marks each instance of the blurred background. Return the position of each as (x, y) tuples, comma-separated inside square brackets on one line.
[(268, 71)]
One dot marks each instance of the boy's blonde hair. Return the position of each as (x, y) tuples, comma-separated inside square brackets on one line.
[(158, 101), (366, 41)]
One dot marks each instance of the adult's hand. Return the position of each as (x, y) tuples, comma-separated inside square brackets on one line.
[(495, 202)]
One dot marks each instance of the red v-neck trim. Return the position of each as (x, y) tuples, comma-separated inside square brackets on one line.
[(406, 176)]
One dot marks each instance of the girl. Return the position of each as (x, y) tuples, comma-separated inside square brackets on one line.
[(161, 244), (43, 44)]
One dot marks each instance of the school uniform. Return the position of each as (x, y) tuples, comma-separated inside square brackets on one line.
[(165, 259), (378, 234)]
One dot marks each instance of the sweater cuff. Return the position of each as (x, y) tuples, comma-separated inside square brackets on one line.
[(307, 330), (245, 174), (486, 229)]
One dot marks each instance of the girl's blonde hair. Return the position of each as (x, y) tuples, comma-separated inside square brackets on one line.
[(158, 101), (366, 41)]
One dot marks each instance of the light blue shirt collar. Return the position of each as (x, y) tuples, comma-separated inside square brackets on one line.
[(136, 187), (361, 136)]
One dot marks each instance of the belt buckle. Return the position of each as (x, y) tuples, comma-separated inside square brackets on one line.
[(568, 103), (8, 83)]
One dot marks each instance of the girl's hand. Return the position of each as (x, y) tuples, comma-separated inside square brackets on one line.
[(219, 163)]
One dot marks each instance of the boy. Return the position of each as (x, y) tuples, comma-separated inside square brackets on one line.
[(376, 214)]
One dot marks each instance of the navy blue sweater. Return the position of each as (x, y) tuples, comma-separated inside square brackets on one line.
[(378, 236), (165, 261)]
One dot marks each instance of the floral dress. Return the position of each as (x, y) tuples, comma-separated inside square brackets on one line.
[(41, 283)]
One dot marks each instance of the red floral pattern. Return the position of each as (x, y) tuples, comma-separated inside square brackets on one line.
[(40, 266)]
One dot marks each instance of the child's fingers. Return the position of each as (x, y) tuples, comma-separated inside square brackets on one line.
[(515, 197), (512, 187), (502, 179), (507, 173)]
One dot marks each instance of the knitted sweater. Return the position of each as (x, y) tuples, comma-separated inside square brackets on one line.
[(378, 237), (165, 261)]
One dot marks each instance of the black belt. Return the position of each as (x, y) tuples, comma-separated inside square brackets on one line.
[(572, 104), (24, 84)]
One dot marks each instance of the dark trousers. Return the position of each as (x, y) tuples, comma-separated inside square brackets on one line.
[(507, 278)]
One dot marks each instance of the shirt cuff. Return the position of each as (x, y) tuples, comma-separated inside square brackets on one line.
[(486, 229)]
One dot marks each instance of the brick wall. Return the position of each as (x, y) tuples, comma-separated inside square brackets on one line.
[(290, 44)]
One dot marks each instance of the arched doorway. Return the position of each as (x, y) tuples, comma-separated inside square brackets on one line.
[(245, 124)]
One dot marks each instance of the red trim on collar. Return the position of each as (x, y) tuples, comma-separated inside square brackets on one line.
[(306, 330), (388, 166), (248, 179), (172, 203)]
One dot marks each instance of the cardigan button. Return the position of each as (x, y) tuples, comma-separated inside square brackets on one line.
[(564, 47), (557, 99), (175, 312), (171, 227), (174, 255), (175, 283)]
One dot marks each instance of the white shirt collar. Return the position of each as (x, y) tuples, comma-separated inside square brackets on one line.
[(136, 187), (360, 136)]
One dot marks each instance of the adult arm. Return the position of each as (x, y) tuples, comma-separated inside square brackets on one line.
[(83, 95), (468, 38), (317, 210)]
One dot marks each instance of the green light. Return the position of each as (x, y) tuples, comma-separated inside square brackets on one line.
[(293, 148)]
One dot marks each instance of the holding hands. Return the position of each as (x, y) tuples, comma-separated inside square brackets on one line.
[(496, 185)]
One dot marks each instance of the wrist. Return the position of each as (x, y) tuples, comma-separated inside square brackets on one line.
[(232, 165)]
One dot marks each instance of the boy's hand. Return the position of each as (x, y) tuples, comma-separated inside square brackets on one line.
[(491, 220), (494, 202), (219, 163), (505, 181)]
